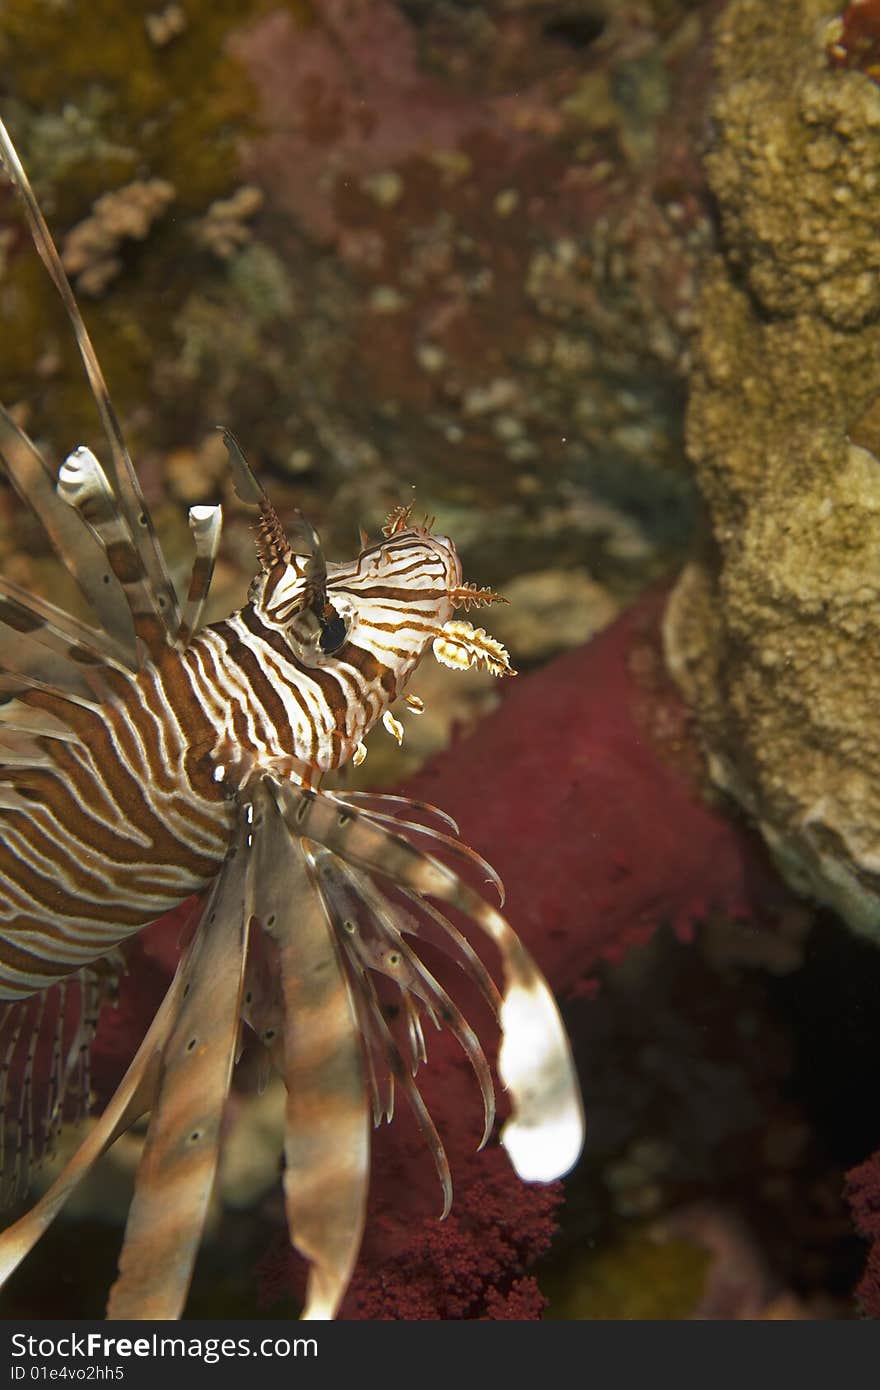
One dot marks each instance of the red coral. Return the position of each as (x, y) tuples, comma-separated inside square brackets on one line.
[(856, 41), (863, 1191), (583, 790), (413, 1266)]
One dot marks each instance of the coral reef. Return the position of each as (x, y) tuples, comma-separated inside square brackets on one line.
[(587, 770), (456, 246), (773, 630), (96, 107), (472, 271), (473, 1265), (692, 989), (515, 212)]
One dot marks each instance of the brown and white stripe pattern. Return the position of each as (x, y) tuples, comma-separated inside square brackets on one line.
[(128, 813), (144, 758)]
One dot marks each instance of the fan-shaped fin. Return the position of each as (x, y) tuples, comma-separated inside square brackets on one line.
[(413, 977), (372, 1022), (402, 1076), (544, 1135), (326, 1145), (393, 803), (176, 1172), (448, 939), (455, 847)]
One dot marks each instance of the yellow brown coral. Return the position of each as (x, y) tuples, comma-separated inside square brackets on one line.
[(774, 630)]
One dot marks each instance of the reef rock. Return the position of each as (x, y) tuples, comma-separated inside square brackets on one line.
[(773, 629)]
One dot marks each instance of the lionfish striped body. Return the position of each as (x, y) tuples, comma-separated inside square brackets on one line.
[(147, 758), (130, 809)]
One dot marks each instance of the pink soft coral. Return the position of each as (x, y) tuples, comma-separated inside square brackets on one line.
[(863, 1190), (583, 790)]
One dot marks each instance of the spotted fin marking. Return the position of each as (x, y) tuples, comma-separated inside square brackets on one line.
[(342, 899), (327, 1123), (416, 981), (178, 1166)]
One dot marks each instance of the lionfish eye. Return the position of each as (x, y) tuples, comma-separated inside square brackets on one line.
[(333, 635)]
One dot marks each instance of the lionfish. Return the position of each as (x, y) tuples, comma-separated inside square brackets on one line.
[(146, 758)]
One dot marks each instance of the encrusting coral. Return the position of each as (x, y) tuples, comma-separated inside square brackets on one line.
[(773, 630)]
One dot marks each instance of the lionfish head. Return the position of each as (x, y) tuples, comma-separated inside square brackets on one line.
[(394, 602)]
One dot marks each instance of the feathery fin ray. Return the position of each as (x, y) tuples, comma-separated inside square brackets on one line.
[(544, 1135)]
